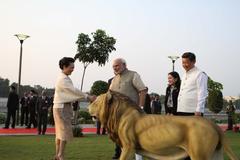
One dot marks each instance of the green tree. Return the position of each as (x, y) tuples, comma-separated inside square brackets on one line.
[(237, 104), (215, 96), (99, 87), (94, 50), (4, 87)]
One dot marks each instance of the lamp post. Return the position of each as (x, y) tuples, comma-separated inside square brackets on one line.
[(21, 38), (173, 58)]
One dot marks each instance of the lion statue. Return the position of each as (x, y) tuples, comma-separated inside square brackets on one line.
[(159, 137)]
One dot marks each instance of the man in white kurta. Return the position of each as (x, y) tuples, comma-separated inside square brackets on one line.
[(193, 91)]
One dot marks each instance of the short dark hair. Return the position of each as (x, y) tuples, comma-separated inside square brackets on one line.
[(191, 56), (65, 61), (13, 88)]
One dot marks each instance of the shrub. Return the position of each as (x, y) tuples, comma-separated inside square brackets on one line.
[(215, 101), (2, 118), (85, 118), (85, 115)]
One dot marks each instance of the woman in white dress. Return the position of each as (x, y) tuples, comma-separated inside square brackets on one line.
[(65, 94)]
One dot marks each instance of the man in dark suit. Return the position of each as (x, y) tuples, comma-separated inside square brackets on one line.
[(12, 106), (43, 103), (24, 109), (156, 105), (32, 109), (147, 104)]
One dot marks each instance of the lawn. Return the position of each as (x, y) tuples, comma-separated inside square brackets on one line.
[(89, 147)]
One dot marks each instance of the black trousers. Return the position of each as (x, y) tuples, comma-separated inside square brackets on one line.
[(10, 114), (42, 121), (230, 122), (118, 150), (32, 120), (99, 128), (24, 115)]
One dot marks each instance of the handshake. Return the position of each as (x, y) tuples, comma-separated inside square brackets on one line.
[(91, 98)]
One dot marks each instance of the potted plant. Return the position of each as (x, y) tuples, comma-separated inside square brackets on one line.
[(77, 131)]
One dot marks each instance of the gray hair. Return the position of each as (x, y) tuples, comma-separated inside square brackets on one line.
[(123, 61)]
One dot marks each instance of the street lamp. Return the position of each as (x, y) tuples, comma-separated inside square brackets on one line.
[(21, 38), (173, 58)]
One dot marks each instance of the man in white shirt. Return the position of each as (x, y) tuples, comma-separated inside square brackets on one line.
[(193, 91)]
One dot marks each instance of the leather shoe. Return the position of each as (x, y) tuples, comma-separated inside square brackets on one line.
[(115, 157)]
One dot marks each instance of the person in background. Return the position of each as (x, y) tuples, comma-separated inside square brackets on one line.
[(32, 109), (24, 109), (147, 104), (12, 106), (156, 105), (75, 106), (51, 120), (65, 94), (230, 110), (99, 128), (130, 84), (43, 103), (172, 92)]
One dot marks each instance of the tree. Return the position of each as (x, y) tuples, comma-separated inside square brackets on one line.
[(99, 87), (96, 50), (237, 103), (4, 87), (215, 97)]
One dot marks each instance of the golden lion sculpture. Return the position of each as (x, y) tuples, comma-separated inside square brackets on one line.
[(157, 136)]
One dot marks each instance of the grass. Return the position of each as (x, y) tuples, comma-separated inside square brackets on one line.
[(89, 147)]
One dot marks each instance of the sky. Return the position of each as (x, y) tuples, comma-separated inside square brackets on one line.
[(147, 32)]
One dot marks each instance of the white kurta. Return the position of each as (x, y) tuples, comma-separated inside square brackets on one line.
[(193, 91)]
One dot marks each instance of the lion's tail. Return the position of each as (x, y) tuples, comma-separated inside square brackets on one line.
[(223, 144), (228, 150)]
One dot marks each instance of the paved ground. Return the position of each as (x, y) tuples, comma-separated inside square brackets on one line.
[(18, 130)]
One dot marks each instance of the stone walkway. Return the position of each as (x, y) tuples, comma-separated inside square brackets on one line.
[(18, 130)]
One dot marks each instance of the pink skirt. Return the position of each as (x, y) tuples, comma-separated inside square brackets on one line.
[(63, 123)]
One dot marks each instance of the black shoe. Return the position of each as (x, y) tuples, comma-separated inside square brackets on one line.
[(5, 127), (28, 127), (115, 157)]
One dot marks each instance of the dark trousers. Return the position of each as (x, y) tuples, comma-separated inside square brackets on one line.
[(42, 121), (32, 120), (24, 115), (230, 122), (186, 114), (99, 128), (118, 150), (10, 114)]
